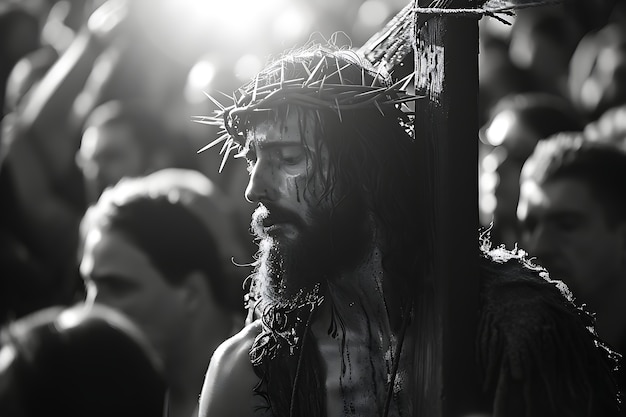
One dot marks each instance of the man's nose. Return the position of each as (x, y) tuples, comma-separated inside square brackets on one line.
[(262, 185)]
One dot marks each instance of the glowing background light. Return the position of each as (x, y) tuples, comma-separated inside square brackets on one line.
[(246, 66), (292, 24), (373, 13), (177, 50), (199, 80)]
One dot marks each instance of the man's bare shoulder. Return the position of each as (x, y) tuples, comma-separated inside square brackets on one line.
[(228, 388), (238, 346)]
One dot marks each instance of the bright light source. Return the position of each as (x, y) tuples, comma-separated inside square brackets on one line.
[(247, 66), (499, 127), (490, 162), (373, 13), (199, 79), (488, 203), (240, 21), (291, 24), (488, 182), (201, 74)]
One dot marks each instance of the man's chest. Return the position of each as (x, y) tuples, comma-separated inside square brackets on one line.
[(359, 370)]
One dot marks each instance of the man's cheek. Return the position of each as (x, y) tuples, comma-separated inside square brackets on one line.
[(301, 188)]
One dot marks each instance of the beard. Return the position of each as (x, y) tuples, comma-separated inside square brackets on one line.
[(290, 270)]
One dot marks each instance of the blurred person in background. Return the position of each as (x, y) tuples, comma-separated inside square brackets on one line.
[(128, 139), (572, 209), (109, 57), (542, 41), (79, 361), (498, 76), (161, 249), (597, 74), (517, 123), (19, 36), (58, 24)]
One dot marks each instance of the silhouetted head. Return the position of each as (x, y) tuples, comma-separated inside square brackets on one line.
[(77, 362)]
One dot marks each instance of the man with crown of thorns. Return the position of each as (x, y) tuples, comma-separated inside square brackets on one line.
[(332, 158)]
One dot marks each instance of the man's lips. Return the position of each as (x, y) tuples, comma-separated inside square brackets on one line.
[(272, 221), (269, 225), (274, 218)]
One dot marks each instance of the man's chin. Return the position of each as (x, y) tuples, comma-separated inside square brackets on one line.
[(282, 271)]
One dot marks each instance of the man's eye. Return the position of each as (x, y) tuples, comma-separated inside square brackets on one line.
[(116, 286), (291, 155)]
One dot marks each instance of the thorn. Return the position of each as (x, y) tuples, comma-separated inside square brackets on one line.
[(378, 107), (282, 74), (226, 155), (314, 73), (339, 71), (217, 103), (256, 84), (338, 110), (215, 142), (407, 81), (377, 74), (321, 87)]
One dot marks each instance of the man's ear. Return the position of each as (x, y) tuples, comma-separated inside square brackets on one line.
[(195, 291)]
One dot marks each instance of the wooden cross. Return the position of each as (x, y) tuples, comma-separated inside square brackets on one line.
[(445, 52)]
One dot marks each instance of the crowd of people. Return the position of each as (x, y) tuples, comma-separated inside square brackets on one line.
[(139, 277)]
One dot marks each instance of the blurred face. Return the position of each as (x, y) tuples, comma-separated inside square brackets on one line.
[(121, 276), (564, 226), (106, 155), (303, 237)]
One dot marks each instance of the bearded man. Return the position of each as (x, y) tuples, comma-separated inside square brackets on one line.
[(333, 159)]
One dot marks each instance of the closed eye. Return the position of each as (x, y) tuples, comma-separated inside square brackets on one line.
[(115, 285), (292, 155)]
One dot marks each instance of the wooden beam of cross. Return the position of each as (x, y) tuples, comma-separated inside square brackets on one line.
[(444, 52), (446, 72)]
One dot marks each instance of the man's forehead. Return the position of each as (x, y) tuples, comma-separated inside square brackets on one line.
[(282, 130), (111, 253), (563, 194)]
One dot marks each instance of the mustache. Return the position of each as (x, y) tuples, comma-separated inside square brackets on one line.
[(266, 215)]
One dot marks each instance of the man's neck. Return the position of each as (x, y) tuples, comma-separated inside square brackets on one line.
[(359, 359)]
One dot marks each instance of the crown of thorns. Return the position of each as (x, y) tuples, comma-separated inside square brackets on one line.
[(325, 87)]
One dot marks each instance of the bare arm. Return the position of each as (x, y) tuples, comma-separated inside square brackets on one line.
[(228, 388)]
